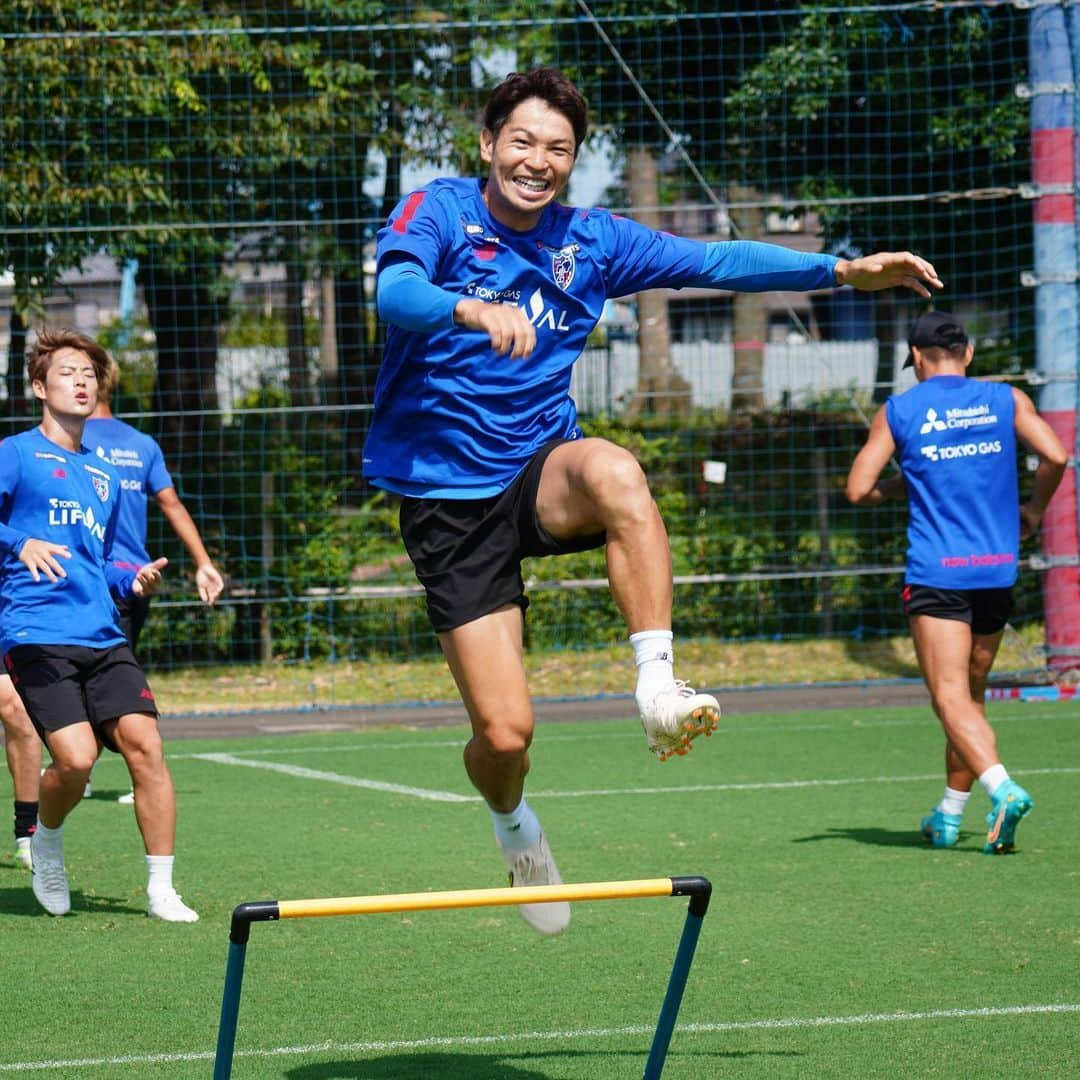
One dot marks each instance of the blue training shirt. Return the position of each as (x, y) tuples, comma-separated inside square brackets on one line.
[(452, 418), (49, 493), (957, 442), (138, 460)]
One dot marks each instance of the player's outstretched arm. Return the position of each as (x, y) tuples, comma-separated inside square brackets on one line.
[(207, 579), (39, 557), (887, 269)]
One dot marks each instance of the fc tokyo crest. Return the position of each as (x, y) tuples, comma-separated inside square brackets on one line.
[(563, 265), (101, 484)]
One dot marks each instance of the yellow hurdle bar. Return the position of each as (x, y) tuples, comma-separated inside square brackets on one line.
[(474, 898), (698, 889)]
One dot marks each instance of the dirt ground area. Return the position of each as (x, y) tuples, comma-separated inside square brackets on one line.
[(548, 710)]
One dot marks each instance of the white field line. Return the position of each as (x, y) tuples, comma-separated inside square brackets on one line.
[(450, 796), (444, 1041), (766, 785), (340, 778)]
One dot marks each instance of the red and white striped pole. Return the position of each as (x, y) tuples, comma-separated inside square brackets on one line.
[(1054, 172)]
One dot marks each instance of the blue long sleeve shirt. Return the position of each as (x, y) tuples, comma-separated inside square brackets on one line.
[(454, 419)]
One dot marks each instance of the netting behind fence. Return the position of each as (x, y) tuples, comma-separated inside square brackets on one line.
[(199, 185)]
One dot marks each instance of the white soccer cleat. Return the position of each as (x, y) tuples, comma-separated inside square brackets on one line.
[(535, 866), (169, 907), (128, 799), (88, 790), (49, 880), (23, 858), (677, 716)]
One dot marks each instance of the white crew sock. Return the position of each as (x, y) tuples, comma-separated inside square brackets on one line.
[(517, 830), (654, 655), (993, 778), (953, 801), (159, 873), (49, 840)]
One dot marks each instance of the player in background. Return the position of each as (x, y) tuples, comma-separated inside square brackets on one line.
[(22, 748), (955, 438), (490, 288), (59, 632), (138, 459), (143, 473)]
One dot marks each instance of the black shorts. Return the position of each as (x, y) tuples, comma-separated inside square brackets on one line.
[(986, 611), (61, 685), (467, 552)]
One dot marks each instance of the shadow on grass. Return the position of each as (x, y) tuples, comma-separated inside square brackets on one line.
[(491, 1066), (104, 795), (880, 837), (21, 901)]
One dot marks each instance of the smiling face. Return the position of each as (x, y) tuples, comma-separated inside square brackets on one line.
[(530, 161), (70, 385)]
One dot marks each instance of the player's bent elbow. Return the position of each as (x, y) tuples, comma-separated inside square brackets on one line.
[(1059, 459), (856, 493)]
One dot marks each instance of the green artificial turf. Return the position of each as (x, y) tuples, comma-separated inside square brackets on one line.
[(836, 943)]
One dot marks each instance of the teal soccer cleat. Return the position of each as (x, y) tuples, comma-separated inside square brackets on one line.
[(1011, 803), (940, 829)]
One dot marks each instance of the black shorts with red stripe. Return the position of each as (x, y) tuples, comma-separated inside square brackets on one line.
[(61, 685)]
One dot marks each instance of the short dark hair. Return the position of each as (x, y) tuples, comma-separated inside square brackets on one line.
[(549, 85), (49, 342), (937, 330)]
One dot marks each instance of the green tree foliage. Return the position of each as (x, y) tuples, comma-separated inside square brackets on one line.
[(174, 131), (901, 128)]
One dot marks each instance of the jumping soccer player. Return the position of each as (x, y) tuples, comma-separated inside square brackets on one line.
[(59, 634), (491, 288), (956, 439)]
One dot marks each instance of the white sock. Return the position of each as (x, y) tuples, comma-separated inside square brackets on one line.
[(654, 654), (50, 839), (159, 873), (953, 801), (518, 830), (993, 778)]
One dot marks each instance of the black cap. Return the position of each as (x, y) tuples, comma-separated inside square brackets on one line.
[(936, 329)]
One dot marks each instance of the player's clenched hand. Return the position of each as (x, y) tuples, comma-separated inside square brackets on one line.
[(148, 577), (886, 269), (39, 557), (507, 326)]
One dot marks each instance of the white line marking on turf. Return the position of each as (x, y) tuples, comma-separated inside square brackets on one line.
[(441, 1041), (434, 795), (341, 778), (766, 785)]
